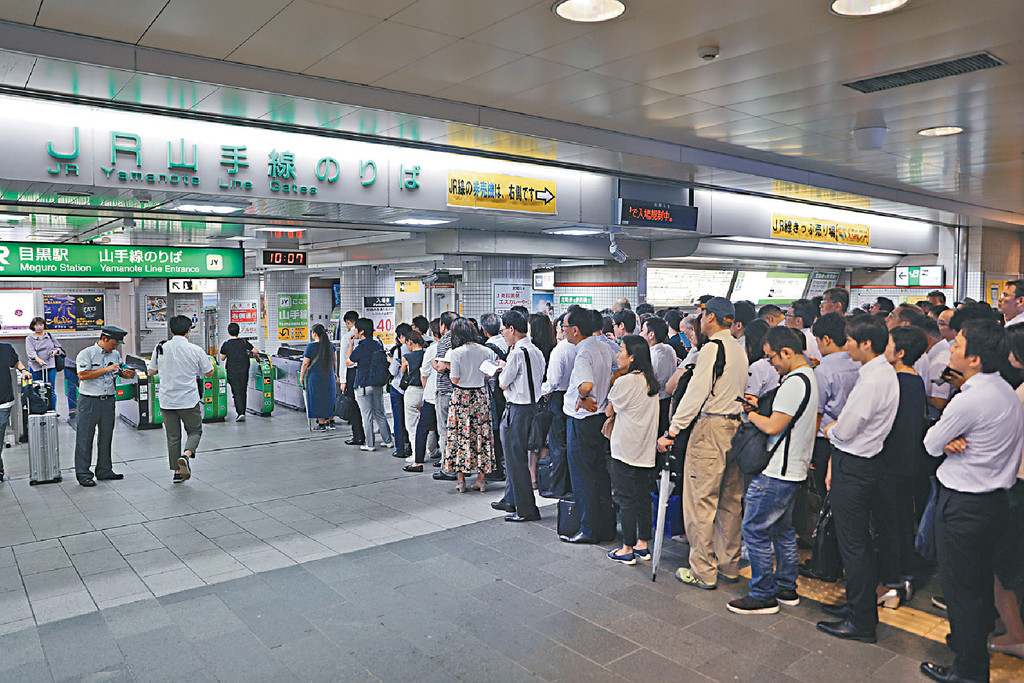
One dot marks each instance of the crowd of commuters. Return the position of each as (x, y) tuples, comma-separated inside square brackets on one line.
[(905, 415)]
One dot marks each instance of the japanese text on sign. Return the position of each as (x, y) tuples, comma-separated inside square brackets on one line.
[(808, 229), (292, 317), (501, 192), (381, 310), (88, 260)]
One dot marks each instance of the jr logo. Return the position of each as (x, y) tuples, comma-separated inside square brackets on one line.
[(214, 262), (4, 253)]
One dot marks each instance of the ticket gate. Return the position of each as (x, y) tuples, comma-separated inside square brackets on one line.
[(260, 391), (137, 402), (213, 394)]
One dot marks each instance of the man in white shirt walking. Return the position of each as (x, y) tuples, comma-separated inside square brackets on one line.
[(854, 471), (179, 364)]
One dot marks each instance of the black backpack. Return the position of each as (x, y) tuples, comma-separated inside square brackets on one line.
[(750, 444), (379, 372)]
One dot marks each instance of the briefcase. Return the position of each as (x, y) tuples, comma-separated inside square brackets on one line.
[(43, 449), (825, 563), (568, 516)]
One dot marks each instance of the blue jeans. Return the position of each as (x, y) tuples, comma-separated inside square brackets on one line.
[(769, 536), (51, 378), (5, 416)]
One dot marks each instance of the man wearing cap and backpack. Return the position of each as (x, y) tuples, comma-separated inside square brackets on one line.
[(712, 482)]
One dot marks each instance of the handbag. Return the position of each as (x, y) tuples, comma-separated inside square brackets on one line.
[(825, 563), (541, 422), (58, 360), (750, 444)]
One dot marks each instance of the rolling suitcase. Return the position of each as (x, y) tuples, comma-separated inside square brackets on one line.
[(43, 449)]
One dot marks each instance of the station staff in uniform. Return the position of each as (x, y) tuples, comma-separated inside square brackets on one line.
[(521, 378), (180, 363), (981, 433), (96, 367), (854, 472)]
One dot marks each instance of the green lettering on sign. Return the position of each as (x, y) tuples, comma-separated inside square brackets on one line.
[(581, 300), (35, 259)]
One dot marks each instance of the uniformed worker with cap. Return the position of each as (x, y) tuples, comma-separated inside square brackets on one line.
[(96, 367)]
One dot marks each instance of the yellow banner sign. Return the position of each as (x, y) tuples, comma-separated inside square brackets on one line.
[(818, 194), (408, 286), (501, 192), (811, 230)]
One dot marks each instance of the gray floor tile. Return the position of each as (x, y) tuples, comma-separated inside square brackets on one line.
[(30, 671), (79, 645), (579, 635), (315, 659), (20, 647), (52, 583), (240, 656), (560, 663), (203, 617), (160, 653), (99, 561)]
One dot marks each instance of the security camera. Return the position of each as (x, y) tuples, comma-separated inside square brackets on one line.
[(613, 249), (708, 53)]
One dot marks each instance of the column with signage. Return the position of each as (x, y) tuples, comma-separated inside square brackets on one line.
[(496, 284), (596, 286)]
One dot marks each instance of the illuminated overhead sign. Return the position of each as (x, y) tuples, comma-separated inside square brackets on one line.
[(501, 192), (811, 230), (920, 276), (635, 212), (36, 259)]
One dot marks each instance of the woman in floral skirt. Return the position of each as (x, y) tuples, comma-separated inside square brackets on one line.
[(469, 447)]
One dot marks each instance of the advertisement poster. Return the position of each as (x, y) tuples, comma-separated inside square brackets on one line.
[(17, 308), (244, 313), (88, 311), (541, 302), (191, 309), (292, 317), (509, 294), (156, 312), (381, 310), (59, 311)]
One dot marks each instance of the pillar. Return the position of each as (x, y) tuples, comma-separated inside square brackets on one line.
[(490, 275), (599, 286)]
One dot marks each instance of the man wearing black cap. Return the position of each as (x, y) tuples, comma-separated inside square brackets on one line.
[(96, 367), (712, 482)]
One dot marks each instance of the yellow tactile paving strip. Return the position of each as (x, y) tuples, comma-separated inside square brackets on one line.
[(1004, 668)]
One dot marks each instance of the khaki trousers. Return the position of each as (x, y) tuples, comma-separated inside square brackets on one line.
[(712, 499)]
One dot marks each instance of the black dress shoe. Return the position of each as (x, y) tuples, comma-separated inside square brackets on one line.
[(943, 674), (413, 468), (113, 476), (837, 611), (355, 442), (443, 476), (398, 454), (580, 537), (502, 505), (515, 517), (86, 482), (845, 629), (495, 476)]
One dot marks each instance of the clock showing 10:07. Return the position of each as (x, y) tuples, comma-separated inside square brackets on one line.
[(277, 257)]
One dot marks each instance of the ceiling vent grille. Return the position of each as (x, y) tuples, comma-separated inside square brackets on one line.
[(928, 72)]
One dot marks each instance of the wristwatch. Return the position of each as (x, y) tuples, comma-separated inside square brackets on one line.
[(668, 435)]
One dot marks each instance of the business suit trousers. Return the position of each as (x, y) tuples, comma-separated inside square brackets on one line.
[(855, 485), (712, 499), (515, 439), (967, 528), (350, 390), (239, 383), (94, 413), (588, 453)]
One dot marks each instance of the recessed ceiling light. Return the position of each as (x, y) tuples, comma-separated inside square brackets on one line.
[(420, 221), (208, 208), (940, 131), (75, 193), (589, 11), (575, 232), (865, 8)]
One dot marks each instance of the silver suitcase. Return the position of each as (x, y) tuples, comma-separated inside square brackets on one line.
[(43, 449)]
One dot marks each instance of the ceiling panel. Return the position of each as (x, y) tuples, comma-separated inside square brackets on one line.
[(209, 28), (508, 80), (448, 66), (381, 9), (131, 22), (531, 31), (459, 20), (15, 69), (375, 54)]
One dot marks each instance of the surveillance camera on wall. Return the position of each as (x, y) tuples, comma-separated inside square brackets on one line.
[(617, 254), (708, 53)]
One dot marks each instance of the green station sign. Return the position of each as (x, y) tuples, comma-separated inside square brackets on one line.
[(36, 259), (568, 300)]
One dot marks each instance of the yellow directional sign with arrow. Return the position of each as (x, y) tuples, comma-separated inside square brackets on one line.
[(501, 192)]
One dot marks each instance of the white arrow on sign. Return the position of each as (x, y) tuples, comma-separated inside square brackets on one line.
[(545, 194)]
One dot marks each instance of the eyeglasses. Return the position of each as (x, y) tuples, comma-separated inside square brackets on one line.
[(772, 357)]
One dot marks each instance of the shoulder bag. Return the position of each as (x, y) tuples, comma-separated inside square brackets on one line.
[(750, 444), (58, 360)]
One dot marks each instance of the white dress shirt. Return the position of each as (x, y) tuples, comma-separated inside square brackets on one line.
[(761, 378), (812, 350), (938, 359), (178, 364), (836, 375), (593, 363), (870, 410), (988, 415), (663, 359), (1016, 320), (513, 377), (428, 375), (499, 342), (559, 367)]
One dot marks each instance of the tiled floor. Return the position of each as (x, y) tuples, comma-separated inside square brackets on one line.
[(301, 558)]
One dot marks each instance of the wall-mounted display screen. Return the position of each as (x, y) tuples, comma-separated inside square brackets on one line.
[(683, 286), (276, 257), (768, 287), (17, 308)]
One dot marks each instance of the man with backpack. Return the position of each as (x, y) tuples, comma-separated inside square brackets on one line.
[(372, 375), (712, 483), (768, 516)]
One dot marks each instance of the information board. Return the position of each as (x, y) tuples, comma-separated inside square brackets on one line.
[(245, 314), (509, 294), (292, 317), (920, 276), (820, 282), (769, 288), (381, 310), (683, 286)]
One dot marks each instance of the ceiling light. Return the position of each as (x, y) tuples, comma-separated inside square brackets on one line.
[(75, 193), (575, 232), (208, 208), (589, 11), (12, 217), (940, 131), (865, 8), (421, 221)]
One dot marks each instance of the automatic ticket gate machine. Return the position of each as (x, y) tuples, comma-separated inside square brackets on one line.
[(260, 391), (137, 400), (213, 393)]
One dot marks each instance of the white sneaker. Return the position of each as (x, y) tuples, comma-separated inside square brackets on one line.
[(364, 447), (411, 458), (240, 418), (388, 444)]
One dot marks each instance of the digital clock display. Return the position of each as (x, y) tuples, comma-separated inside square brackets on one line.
[(275, 257)]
